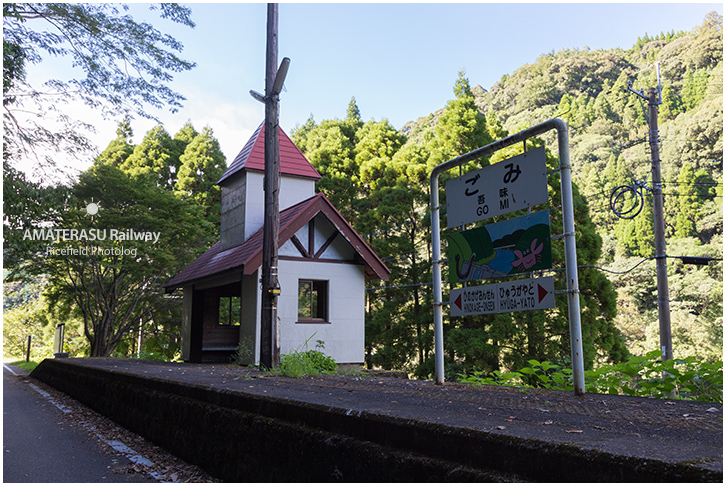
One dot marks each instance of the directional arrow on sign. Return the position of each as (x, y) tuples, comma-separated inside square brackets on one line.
[(458, 301), (541, 291)]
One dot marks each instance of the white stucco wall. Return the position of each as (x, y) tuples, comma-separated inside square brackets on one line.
[(295, 189), (344, 334), (292, 191)]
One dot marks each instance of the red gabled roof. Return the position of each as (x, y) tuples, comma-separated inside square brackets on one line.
[(252, 157), (247, 257)]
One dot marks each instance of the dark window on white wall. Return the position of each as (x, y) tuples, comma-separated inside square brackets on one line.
[(229, 311), (312, 301)]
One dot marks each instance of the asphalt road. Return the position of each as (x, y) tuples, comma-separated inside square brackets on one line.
[(40, 445)]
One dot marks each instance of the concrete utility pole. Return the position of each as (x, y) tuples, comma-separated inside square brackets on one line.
[(274, 79), (664, 309)]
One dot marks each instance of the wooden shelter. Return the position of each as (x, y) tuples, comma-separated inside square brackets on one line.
[(323, 265)]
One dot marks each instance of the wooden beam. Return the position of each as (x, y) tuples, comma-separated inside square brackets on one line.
[(326, 244), (298, 244)]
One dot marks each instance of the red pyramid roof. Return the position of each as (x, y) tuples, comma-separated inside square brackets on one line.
[(252, 157)]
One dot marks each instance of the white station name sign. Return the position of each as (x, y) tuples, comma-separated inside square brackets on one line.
[(501, 188), (512, 296)]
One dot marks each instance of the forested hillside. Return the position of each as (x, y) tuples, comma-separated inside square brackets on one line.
[(378, 177)]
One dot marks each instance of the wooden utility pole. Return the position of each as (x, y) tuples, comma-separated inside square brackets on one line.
[(664, 309), (269, 343)]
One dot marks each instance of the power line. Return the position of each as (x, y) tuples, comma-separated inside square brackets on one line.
[(714, 183), (690, 195), (404, 286), (685, 259), (618, 273), (395, 257)]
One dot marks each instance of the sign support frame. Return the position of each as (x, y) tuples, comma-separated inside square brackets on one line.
[(568, 217)]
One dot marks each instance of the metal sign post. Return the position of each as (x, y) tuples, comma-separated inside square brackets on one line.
[(568, 217), (58, 340)]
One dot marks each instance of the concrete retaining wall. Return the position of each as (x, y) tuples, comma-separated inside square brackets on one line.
[(243, 437)]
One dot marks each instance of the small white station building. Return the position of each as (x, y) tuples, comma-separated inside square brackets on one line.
[(323, 265)]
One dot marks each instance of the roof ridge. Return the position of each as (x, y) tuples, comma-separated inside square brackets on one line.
[(239, 162), (252, 157)]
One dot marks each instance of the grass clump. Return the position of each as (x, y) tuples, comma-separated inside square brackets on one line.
[(310, 362), (26, 365), (245, 354)]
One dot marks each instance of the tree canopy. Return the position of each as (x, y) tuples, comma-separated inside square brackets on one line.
[(146, 226), (386, 200), (141, 235), (125, 68)]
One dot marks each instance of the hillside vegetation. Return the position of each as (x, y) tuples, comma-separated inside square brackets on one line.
[(378, 177)]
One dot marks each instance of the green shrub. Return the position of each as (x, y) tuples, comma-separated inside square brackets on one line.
[(496, 377), (320, 361), (153, 356), (648, 376), (307, 363), (644, 376), (296, 365)]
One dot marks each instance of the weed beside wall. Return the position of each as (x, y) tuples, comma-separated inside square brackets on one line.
[(643, 376), (307, 363)]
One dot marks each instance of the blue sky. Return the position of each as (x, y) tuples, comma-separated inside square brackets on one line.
[(400, 61)]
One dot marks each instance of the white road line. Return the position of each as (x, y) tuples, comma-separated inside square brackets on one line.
[(119, 446), (9, 369), (128, 452), (47, 396)]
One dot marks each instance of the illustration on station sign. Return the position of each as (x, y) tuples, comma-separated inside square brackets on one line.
[(501, 188), (517, 245)]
